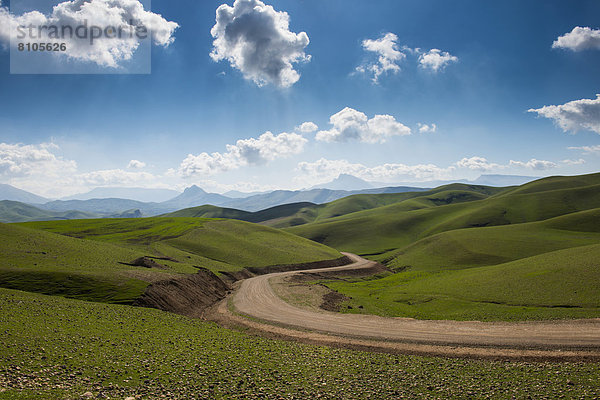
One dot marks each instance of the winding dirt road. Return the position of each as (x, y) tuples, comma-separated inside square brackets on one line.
[(556, 340)]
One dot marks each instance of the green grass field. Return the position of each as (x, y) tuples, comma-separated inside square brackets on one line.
[(86, 259), (521, 253), (553, 285), (57, 348), (393, 226)]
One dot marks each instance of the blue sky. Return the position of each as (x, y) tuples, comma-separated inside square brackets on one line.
[(62, 134)]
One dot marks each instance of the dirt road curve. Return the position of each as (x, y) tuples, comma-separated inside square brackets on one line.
[(528, 340)]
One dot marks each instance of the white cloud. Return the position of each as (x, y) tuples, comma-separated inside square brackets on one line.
[(256, 40), (251, 151), (579, 39), (324, 170), (575, 115), (436, 60), (389, 57), (587, 149), (581, 161), (424, 128), (244, 187), (351, 124), (37, 168), (136, 164), (538, 165), (483, 165), (478, 164), (19, 160), (105, 51), (307, 127)]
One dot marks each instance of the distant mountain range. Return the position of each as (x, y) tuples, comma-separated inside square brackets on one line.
[(318, 196), (138, 194), (93, 205)]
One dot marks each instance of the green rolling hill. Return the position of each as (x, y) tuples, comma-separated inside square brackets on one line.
[(529, 252), (302, 213), (397, 225), (91, 259)]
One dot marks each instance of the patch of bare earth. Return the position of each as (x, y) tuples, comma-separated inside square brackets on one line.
[(305, 295)]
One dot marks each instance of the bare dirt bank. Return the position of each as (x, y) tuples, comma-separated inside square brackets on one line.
[(191, 295), (255, 298)]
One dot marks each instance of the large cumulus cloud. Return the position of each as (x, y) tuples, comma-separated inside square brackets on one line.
[(575, 115), (254, 151), (256, 40), (105, 51), (579, 39), (350, 124)]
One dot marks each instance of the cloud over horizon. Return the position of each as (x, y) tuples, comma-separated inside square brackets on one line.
[(350, 124), (477, 164), (575, 115), (324, 169), (19, 160), (267, 147), (538, 165), (587, 149), (257, 41)]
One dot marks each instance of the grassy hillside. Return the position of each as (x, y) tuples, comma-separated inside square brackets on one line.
[(56, 348), (559, 284), (48, 263), (208, 211), (302, 213), (473, 247), (386, 228), (211, 243), (88, 259), (481, 259)]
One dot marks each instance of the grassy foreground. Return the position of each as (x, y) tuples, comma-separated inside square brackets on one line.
[(57, 348)]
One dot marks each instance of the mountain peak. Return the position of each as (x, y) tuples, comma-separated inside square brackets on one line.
[(194, 189), (345, 182)]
